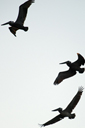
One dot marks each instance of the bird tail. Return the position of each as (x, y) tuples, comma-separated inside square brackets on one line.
[(25, 28), (13, 30)]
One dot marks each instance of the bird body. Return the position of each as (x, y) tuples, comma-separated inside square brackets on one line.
[(67, 112), (18, 24), (73, 68)]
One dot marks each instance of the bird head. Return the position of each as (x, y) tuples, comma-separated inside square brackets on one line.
[(66, 62), (10, 23), (58, 109)]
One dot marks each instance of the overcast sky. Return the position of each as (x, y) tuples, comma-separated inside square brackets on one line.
[(29, 63)]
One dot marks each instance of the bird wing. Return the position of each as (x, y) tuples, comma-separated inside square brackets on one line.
[(54, 120), (75, 100), (63, 75), (23, 12), (80, 61), (13, 30)]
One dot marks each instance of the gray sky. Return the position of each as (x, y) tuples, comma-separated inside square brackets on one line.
[(29, 63)]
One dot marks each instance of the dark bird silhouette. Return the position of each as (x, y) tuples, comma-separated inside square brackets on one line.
[(18, 24), (73, 68), (67, 111)]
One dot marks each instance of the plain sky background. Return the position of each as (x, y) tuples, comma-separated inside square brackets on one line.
[(29, 63)]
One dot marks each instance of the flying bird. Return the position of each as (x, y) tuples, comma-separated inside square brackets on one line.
[(67, 111), (18, 24), (73, 68)]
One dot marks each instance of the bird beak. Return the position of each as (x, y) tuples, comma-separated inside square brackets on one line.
[(55, 110), (64, 62), (5, 24)]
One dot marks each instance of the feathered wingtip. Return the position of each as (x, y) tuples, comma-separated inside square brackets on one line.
[(81, 89), (41, 125), (56, 82)]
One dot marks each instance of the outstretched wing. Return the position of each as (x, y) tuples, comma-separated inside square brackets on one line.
[(13, 30), (75, 100), (23, 12), (54, 120), (64, 75), (80, 61)]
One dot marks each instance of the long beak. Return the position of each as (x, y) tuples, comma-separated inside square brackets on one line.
[(63, 62), (5, 23), (55, 110)]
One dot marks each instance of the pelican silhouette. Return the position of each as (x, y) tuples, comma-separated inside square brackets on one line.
[(18, 24), (73, 67), (67, 111)]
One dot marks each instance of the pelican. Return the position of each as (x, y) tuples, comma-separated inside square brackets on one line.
[(67, 111), (18, 24), (73, 68)]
